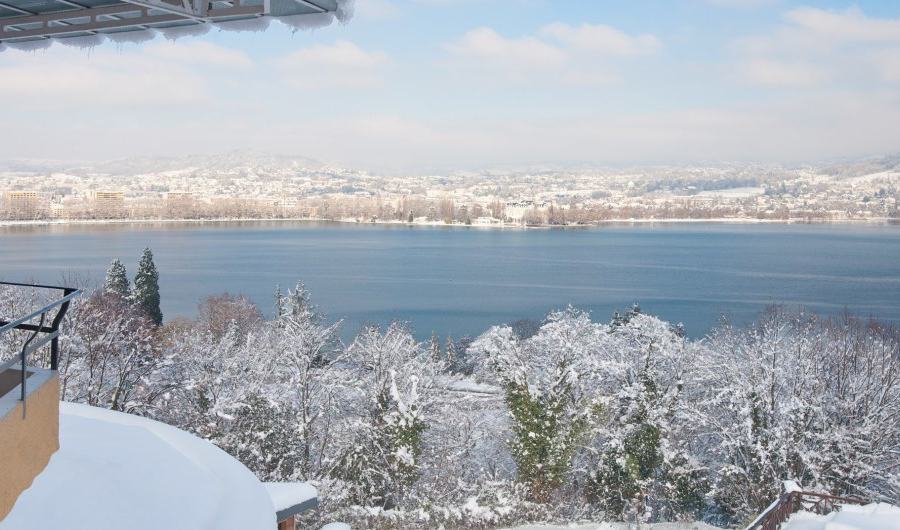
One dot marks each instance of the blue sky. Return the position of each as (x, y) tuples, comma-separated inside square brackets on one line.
[(434, 85)]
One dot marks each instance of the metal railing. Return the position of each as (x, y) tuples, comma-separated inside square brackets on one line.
[(791, 502), (50, 332)]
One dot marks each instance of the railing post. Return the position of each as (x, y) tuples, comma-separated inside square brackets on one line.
[(57, 320), (54, 354)]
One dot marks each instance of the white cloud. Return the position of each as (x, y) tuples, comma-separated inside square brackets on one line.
[(816, 46), (192, 96), (780, 73), (516, 59), (573, 55), (887, 62), (61, 78), (602, 39), (851, 25), (198, 52), (801, 128), (342, 64)]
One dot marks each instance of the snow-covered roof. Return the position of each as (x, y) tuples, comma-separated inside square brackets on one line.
[(291, 498), (31, 24), (876, 516), (116, 470)]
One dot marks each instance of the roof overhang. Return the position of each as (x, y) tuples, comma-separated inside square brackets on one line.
[(32, 20)]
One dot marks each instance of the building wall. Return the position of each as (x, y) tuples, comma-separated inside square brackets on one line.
[(24, 205), (26, 444), (109, 204)]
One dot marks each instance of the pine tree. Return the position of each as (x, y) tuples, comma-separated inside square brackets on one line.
[(117, 280), (279, 302), (299, 305), (617, 320), (450, 350), (435, 347), (146, 288)]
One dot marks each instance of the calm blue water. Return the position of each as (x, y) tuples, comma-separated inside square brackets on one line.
[(462, 280)]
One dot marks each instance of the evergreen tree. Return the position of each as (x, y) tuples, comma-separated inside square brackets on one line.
[(298, 306), (279, 302), (117, 280), (450, 349), (617, 320), (435, 347), (146, 288)]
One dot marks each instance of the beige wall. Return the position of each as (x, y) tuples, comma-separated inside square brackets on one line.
[(26, 445)]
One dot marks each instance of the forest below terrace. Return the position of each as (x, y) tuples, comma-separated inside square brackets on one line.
[(564, 420)]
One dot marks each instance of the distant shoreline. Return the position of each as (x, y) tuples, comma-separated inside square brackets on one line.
[(498, 226)]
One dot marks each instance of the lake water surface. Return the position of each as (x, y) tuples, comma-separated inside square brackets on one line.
[(462, 280)]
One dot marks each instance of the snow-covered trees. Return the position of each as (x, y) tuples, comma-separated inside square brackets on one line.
[(109, 359), (220, 391), (391, 407), (217, 315), (146, 288), (566, 418), (806, 399), (307, 357), (608, 399), (117, 280), (644, 469), (548, 380)]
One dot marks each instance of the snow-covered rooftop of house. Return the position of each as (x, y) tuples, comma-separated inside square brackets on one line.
[(876, 516), (116, 470)]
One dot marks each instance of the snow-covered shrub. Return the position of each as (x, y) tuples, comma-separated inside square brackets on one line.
[(390, 408), (548, 381), (567, 420), (308, 377), (796, 397), (263, 436), (217, 315), (212, 379), (109, 358), (644, 468)]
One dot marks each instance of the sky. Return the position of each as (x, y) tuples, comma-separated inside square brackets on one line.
[(439, 85)]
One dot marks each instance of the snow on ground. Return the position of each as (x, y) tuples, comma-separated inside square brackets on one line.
[(875, 516), (470, 385), (116, 470), (336, 526), (735, 193), (872, 177), (289, 494), (620, 526)]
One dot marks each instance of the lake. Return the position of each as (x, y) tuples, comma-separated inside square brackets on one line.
[(462, 280)]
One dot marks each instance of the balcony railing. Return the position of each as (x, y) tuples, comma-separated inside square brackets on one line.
[(794, 501), (41, 332)]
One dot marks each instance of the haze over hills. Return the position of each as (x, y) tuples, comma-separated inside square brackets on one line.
[(231, 160), (254, 184), (262, 160)]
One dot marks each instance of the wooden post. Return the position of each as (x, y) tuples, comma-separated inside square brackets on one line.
[(287, 524)]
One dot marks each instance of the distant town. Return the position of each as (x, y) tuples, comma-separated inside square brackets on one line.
[(252, 185)]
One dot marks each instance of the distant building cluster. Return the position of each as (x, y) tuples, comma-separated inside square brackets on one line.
[(257, 186)]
